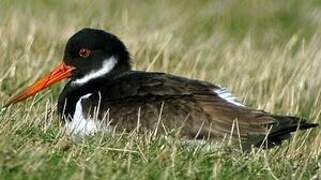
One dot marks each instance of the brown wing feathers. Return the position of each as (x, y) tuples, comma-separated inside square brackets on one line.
[(220, 113), (251, 122), (210, 114), (223, 115)]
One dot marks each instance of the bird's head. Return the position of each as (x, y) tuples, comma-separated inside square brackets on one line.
[(89, 54)]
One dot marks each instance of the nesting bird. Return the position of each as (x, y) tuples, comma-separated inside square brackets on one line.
[(103, 93)]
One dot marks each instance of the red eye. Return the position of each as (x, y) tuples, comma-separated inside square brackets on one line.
[(83, 52)]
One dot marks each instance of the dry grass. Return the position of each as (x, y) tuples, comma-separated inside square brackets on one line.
[(266, 52)]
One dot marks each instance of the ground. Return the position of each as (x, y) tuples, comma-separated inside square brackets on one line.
[(266, 52)]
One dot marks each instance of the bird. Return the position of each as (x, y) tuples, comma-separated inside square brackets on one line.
[(103, 93)]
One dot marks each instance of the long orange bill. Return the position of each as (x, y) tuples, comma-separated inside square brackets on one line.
[(61, 72)]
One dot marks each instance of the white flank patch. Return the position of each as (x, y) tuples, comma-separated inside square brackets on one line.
[(108, 65), (79, 124), (228, 96)]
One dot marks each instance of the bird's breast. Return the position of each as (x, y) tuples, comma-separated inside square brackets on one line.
[(85, 119)]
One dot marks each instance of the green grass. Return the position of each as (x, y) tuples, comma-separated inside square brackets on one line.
[(266, 52)]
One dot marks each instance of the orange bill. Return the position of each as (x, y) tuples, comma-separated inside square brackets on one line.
[(61, 72)]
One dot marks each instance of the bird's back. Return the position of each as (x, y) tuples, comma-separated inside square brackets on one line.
[(163, 103)]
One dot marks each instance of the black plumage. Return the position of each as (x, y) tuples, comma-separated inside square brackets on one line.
[(193, 108)]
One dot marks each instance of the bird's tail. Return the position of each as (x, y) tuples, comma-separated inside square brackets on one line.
[(283, 129)]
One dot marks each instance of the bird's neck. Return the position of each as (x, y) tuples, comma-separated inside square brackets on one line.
[(73, 92)]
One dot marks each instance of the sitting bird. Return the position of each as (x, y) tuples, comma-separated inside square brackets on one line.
[(103, 93)]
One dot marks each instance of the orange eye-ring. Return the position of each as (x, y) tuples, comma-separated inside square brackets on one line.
[(83, 52)]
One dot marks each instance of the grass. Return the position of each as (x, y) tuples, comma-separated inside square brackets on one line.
[(266, 52)]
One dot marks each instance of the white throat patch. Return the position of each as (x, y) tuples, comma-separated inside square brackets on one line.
[(107, 66)]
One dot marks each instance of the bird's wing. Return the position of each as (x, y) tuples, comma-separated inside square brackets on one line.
[(223, 110)]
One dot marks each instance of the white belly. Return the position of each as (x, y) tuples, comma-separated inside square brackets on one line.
[(82, 124)]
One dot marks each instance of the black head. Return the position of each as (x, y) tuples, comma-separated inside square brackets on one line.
[(95, 53), (90, 54)]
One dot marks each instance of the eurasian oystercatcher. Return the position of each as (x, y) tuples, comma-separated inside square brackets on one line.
[(103, 93)]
